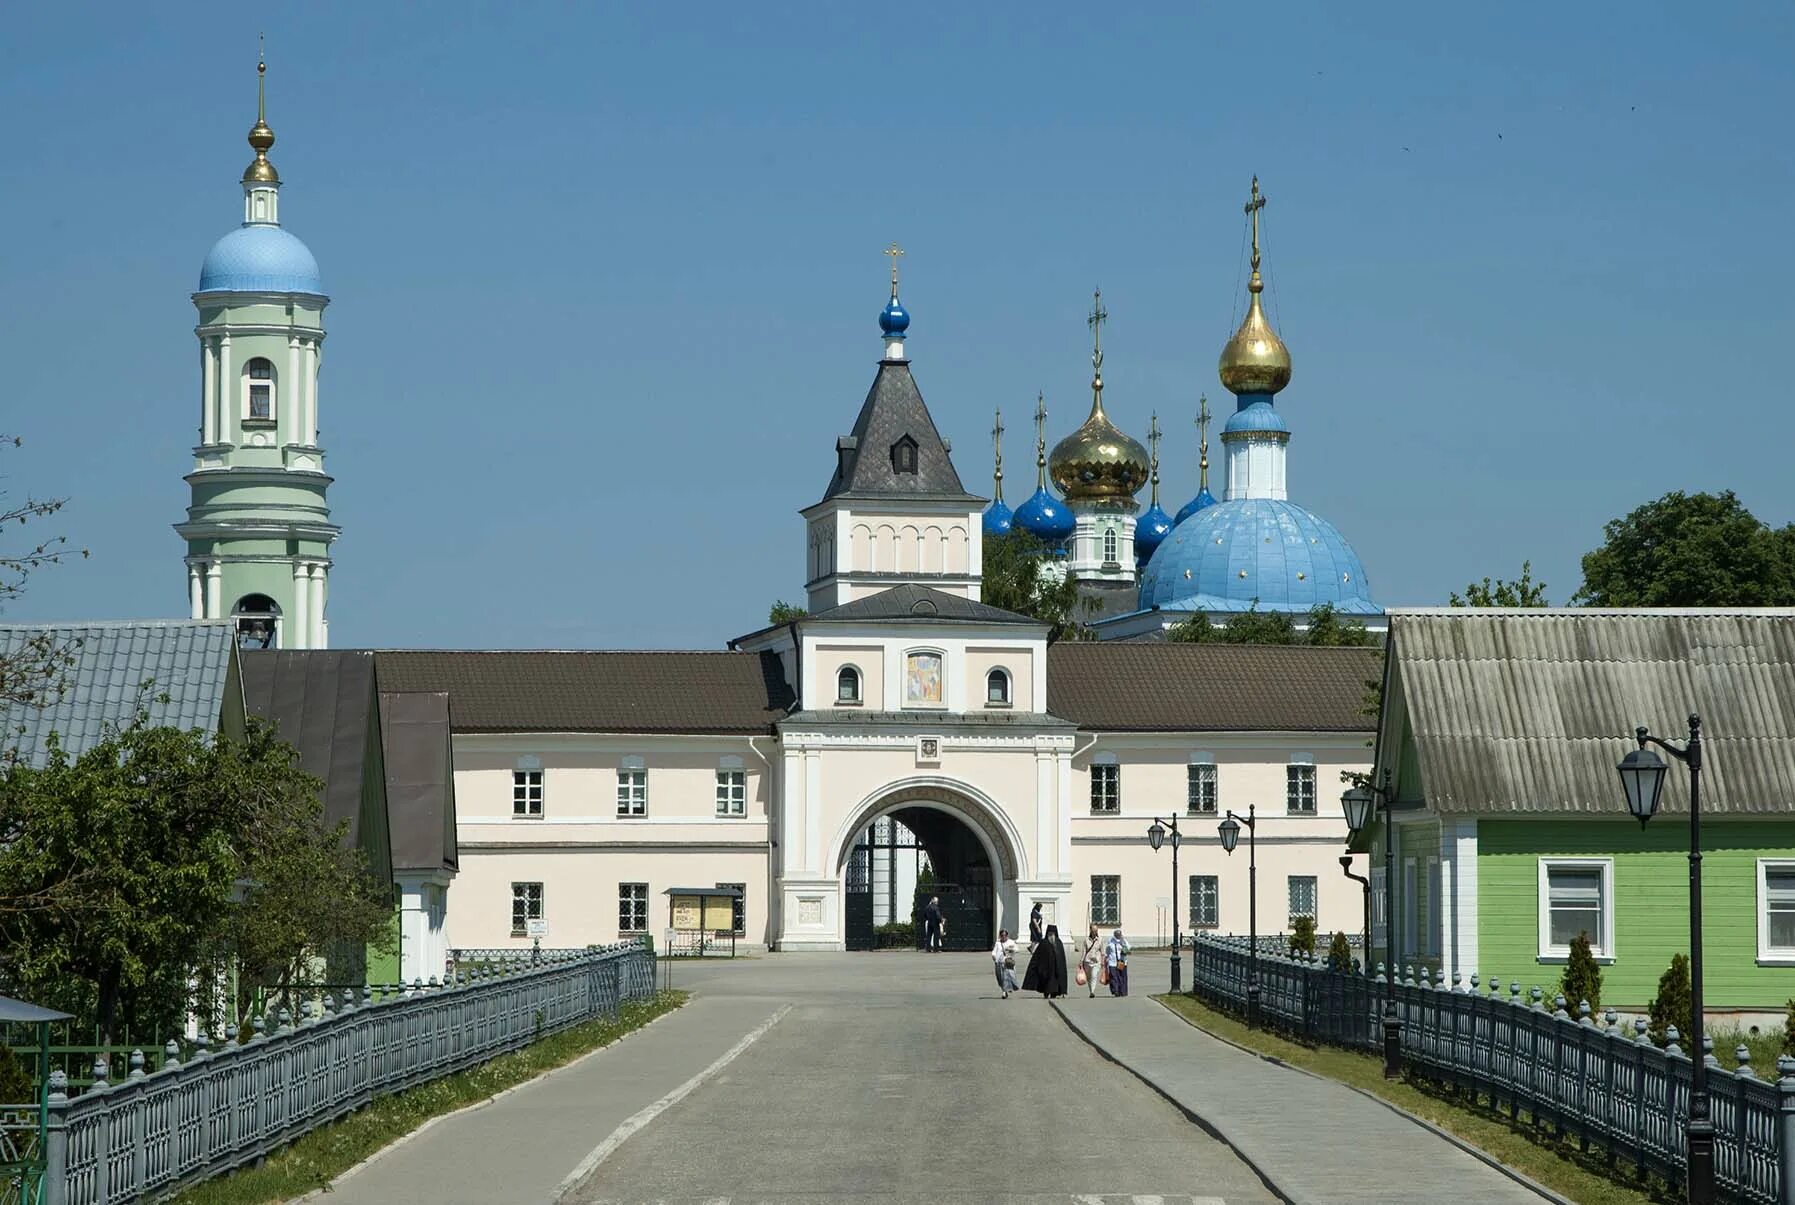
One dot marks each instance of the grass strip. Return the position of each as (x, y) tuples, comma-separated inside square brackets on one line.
[(324, 1154), (1580, 1176)]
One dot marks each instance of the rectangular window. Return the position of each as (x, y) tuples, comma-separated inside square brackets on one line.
[(1409, 919), (1106, 899), (1431, 939), (632, 907), (1776, 911), (1205, 902), (740, 908), (1576, 895), (1301, 891), (1202, 788), (526, 793), (1106, 788), (1380, 908), (1299, 789), (526, 906), (259, 397), (632, 792), (732, 792)]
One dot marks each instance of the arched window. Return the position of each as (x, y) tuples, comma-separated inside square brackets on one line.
[(997, 688), (261, 389), (256, 616), (903, 455), (1109, 545), (847, 685)]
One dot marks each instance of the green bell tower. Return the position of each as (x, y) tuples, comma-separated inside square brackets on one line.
[(258, 528)]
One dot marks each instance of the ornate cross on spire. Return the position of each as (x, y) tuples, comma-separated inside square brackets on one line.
[(1203, 441), (1098, 317), (894, 251), (261, 75), (1040, 441), (1153, 443), (1253, 206), (997, 460)]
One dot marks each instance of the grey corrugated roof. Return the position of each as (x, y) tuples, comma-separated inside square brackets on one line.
[(1530, 710), (893, 410), (181, 672), (320, 701), (922, 604), (598, 691), (1161, 686), (416, 730)]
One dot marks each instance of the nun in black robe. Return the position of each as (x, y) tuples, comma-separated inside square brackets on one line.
[(1047, 967)]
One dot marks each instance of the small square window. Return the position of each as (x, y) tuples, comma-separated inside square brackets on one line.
[(632, 907), (1201, 789), (732, 792), (1299, 789), (1576, 895), (526, 906), (632, 792), (1301, 891), (1205, 902), (1106, 899), (1106, 789), (526, 794)]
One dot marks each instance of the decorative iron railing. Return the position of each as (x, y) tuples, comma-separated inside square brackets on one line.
[(1586, 1080), (237, 1099)]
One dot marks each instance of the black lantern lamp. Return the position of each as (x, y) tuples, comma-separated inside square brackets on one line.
[(1230, 830), (1230, 833), (1360, 804), (1156, 837), (1642, 778)]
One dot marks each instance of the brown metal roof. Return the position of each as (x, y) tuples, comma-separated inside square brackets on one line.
[(602, 691), (1529, 710), (420, 779), (1168, 687)]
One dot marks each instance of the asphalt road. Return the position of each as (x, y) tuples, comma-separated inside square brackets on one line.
[(904, 1078)]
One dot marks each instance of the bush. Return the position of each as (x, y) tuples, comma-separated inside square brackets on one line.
[(1582, 978), (1302, 937), (1672, 1004), (1789, 1030), (1339, 952)]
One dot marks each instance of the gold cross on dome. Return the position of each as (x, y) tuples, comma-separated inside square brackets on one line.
[(1098, 317), (894, 251), (1253, 207)]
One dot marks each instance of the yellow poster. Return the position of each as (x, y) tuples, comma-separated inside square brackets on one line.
[(686, 912), (719, 915)]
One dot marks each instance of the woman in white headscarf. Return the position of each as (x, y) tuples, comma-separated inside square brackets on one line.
[(1115, 956)]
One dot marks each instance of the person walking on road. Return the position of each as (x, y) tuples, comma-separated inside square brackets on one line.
[(931, 924), (1047, 969), (1093, 959), (1034, 928), (1003, 954), (1115, 954)]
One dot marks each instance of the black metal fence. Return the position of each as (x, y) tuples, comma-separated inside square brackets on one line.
[(1589, 1080)]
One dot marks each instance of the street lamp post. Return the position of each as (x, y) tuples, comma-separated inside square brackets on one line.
[(1360, 804), (1642, 777), (1156, 835), (1364, 882), (1230, 830)]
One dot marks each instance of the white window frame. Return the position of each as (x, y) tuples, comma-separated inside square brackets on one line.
[(842, 700), (1293, 784), (1410, 918), (1769, 955), (621, 888), (526, 792), (1001, 676), (632, 788), (249, 387), (732, 788), (1108, 762), (1215, 899), (1434, 910), (1604, 949), (1111, 546), (1380, 908), (521, 891), (1110, 918), (1194, 781)]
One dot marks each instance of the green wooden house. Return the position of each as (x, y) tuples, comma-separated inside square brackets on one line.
[(1501, 731)]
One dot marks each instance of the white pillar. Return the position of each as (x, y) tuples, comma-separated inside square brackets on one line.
[(225, 427), (292, 398), (214, 591), (311, 393), (813, 812), (298, 629), (207, 431), (320, 634), (196, 591)]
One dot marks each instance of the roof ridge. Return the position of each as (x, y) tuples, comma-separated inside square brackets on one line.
[(604, 651)]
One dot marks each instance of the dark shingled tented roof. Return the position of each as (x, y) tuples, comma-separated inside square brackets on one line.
[(416, 729), (603, 691), (1168, 687), (1530, 710), (893, 410), (922, 604)]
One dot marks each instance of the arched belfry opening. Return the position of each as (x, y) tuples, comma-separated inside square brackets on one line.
[(959, 855)]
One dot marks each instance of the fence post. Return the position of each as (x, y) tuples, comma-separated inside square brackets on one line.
[(1785, 1130), (56, 1142)]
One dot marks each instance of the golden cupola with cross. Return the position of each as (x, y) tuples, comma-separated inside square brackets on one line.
[(1099, 462), (1255, 360)]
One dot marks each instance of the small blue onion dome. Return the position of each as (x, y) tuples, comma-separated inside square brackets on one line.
[(1150, 530), (1225, 556), (894, 319), (1255, 416), (260, 259), (1045, 517), (999, 519), (1204, 498)]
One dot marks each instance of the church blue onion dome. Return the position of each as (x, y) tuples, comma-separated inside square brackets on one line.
[(894, 319), (1045, 517), (260, 259), (1150, 531), (999, 519), (1256, 416), (1225, 556), (1203, 499)]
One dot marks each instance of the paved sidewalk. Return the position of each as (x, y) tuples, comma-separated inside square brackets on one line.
[(1318, 1142)]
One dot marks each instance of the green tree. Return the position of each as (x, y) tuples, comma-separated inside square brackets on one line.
[(1339, 952), (1582, 979), (784, 612), (1328, 628), (1302, 935), (1015, 579), (1325, 627), (30, 672), (1690, 550), (1523, 591), (1672, 1005)]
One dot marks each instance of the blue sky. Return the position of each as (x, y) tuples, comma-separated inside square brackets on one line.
[(605, 280)]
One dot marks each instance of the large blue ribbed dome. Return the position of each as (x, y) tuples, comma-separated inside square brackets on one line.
[(1150, 531), (260, 259), (999, 519), (1045, 517), (1224, 556)]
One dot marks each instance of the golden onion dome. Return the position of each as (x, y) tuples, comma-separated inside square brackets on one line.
[(1099, 461), (261, 138), (1255, 360)]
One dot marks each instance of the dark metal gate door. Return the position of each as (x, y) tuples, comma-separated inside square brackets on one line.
[(858, 904), (968, 911)]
